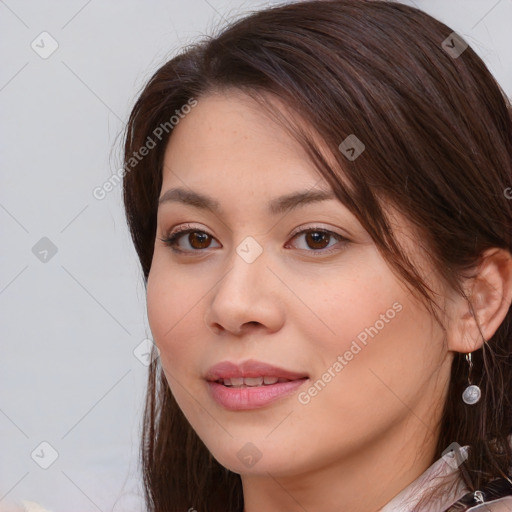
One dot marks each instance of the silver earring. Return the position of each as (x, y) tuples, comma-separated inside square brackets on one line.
[(472, 393)]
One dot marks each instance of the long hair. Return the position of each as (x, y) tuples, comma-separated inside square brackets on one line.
[(437, 133)]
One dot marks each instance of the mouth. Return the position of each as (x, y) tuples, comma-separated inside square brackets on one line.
[(251, 384), (250, 373)]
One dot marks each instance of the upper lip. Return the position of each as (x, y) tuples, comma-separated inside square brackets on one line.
[(250, 368)]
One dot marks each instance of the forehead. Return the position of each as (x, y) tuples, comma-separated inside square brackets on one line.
[(230, 135)]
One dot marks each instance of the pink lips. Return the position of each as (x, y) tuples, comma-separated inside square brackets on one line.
[(251, 397)]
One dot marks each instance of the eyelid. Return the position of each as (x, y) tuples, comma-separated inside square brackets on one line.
[(184, 227), (312, 227)]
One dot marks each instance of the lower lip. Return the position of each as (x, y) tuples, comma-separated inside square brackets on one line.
[(244, 398)]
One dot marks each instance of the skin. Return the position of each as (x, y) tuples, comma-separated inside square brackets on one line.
[(299, 308)]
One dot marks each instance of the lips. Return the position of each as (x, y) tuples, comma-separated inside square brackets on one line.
[(251, 384), (230, 373)]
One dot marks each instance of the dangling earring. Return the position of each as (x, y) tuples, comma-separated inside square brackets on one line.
[(472, 393)]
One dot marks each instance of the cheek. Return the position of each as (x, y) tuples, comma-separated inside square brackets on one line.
[(170, 305), (392, 350), (385, 337), (347, 308), (377, 381)]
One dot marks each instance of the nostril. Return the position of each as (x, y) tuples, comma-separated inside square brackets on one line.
[(247, 326)]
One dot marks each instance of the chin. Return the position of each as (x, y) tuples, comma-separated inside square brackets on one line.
[(252, 458)]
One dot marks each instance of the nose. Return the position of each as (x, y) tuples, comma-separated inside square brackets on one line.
[(247, 298)]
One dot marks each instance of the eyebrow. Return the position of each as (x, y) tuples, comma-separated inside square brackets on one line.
[(277, 206)]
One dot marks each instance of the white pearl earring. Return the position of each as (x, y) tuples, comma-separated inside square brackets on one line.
[(472, 393)]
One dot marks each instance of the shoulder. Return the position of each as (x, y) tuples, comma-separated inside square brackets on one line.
[(499, 505), (495, 497)]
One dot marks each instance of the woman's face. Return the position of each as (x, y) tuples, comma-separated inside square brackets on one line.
[(294, 284)]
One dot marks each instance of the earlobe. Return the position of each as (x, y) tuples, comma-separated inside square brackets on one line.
[(490, 296)]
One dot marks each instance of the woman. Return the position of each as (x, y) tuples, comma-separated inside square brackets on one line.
[(320, 201)]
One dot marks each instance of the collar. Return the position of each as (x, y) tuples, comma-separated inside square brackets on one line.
[(443, 469)]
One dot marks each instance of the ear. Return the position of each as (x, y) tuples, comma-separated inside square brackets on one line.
[(490, 294)]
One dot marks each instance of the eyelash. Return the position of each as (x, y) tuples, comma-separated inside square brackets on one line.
[(173, 238)]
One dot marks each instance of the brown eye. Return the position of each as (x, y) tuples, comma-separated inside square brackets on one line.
[(199, 239), (317, 239), (189, 240)]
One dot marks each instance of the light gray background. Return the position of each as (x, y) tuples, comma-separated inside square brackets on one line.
[(70, 324)]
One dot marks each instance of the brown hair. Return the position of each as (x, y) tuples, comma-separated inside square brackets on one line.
[(438, 147)]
